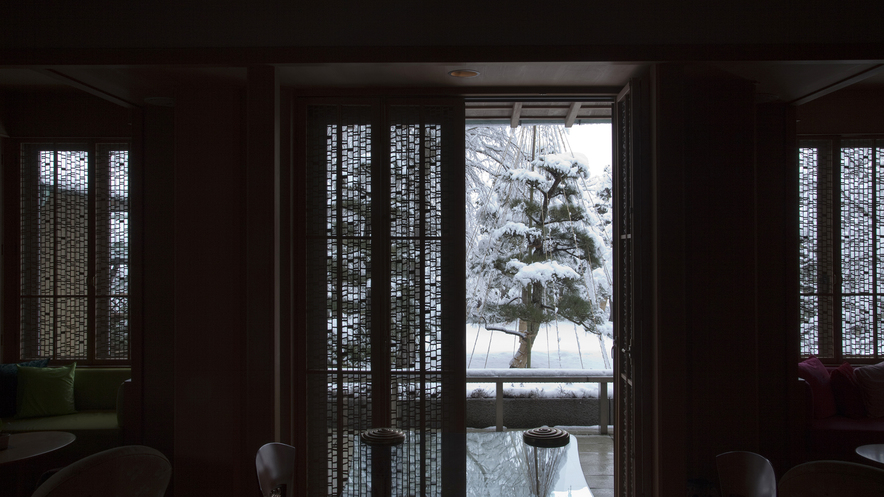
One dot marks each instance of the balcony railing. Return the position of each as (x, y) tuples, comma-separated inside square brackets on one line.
[(501, 376)]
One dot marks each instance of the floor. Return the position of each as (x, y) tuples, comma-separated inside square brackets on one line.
[(597, 459)]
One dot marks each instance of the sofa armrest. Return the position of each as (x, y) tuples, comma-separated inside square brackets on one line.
[(807, 396), (805, 412), (121, 401)]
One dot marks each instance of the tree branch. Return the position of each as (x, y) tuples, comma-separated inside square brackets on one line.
[(500, 328)]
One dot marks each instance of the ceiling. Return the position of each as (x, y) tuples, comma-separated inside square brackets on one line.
[(581, 82)]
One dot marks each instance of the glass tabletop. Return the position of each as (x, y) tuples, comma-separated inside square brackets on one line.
[(498, 465)]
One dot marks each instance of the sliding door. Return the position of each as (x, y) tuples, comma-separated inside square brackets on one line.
[(632, 312), (385, 311)]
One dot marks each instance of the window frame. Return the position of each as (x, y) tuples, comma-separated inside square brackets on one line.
[(830, 260), (15, 155)]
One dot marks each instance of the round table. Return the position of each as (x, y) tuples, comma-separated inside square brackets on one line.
[(874, 452), (27, 445)]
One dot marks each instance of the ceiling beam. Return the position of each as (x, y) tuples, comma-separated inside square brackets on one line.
[(80, 85), (572, 114), (839, 85), (517, 110)]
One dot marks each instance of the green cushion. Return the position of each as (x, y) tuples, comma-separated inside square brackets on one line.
[(9, 384), (45, 391)]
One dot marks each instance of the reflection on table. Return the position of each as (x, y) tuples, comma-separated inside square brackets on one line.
[(497, 466), (873, 452)]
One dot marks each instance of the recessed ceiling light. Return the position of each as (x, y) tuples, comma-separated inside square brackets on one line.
[(463, 73)]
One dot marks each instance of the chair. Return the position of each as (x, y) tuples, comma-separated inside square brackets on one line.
[(127, 471), (275, 463), (745, 474), (825, 478)]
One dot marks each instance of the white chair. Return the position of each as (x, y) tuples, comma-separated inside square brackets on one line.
[(745, 474), (127, 471), (828, 478), (275, 464)]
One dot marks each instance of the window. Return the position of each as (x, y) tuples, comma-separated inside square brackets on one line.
[(841, 280), (73, 257)]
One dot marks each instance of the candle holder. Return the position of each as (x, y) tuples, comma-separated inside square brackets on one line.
[(544, 449), (381, 441)]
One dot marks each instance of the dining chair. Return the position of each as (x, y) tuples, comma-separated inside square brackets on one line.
[(745, 474), (275, 464), (127, 471), (829, 478)]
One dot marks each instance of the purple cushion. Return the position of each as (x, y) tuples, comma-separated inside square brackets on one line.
[(817, 376), (847, 392), (871, 382)]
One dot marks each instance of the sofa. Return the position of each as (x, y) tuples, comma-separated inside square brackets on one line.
[(98, 422), (841, 409)]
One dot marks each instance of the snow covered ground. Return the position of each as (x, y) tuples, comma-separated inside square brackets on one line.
[(560, 345)]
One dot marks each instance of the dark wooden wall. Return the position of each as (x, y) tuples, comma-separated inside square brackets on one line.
[(723, 294)]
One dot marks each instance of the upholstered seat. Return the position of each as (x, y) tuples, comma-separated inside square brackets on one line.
[(275, 464), (745, 474), (127, 471)]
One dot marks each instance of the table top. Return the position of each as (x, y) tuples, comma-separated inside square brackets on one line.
[(27, 445), (874, 452), (497, 466)]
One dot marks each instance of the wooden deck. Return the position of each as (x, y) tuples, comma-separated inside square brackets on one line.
[(597, 460)]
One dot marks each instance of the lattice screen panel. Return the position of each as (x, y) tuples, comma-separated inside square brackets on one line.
[(625, 304), (816, 242), (112, 253), (878, 243), (74, 231), (375, 330), (858, 258)]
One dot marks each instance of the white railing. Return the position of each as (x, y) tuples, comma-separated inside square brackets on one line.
[(501, 376)]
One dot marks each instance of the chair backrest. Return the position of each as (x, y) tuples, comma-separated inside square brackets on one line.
[(745, 474), (275, 463), (823, 478), (127, 471)]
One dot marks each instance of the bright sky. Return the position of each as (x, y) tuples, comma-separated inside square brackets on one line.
[(594, 141)]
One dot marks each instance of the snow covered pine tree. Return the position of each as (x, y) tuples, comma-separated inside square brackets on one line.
[(540, 243)]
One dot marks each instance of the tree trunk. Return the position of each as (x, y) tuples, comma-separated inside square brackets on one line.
[(522, 359), (531, 298)]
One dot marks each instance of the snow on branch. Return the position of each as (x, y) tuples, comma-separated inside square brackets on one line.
[(564, 164), (500, 328), (515, 229), (529, 177), (540, 272)]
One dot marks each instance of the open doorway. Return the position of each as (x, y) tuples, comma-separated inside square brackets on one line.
[(539, 278)]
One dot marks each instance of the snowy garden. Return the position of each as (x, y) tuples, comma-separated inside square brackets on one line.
[(539, 253)]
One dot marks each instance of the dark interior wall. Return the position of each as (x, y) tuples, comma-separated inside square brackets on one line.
[(155, 386), (720, 267), (776, 243), (210, 379), (712, 396), (842, 112)]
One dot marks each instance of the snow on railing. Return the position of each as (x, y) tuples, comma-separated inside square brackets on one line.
[(519, 375)]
